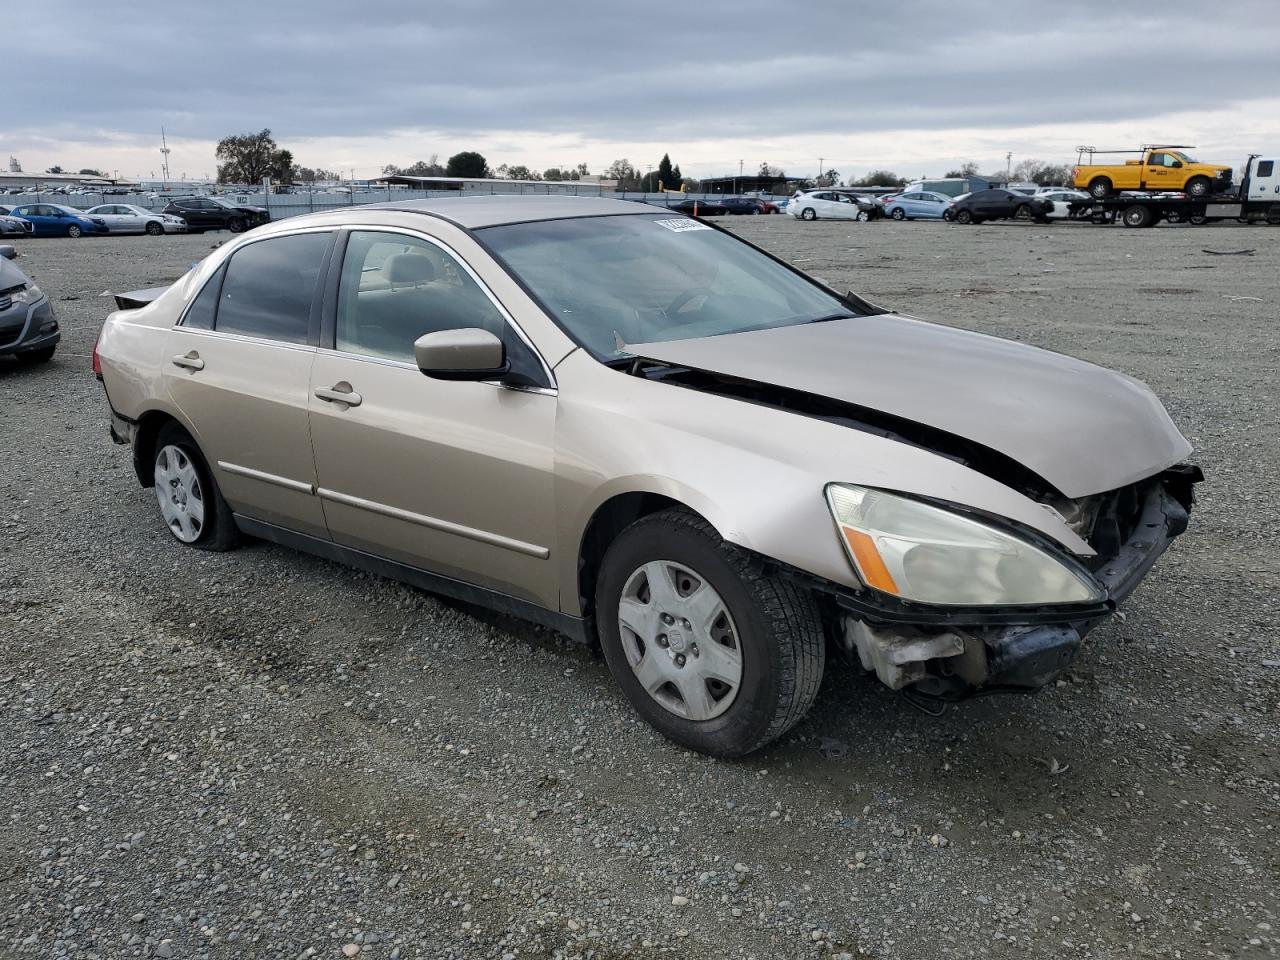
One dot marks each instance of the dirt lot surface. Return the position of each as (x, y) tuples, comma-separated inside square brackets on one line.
[(260, 754)]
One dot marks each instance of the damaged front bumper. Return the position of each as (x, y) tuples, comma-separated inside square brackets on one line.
[(951, 655)]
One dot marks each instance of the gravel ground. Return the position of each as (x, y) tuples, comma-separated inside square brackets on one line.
[(261, 754)]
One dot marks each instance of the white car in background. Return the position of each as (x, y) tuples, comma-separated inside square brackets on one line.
[(130, 218), (829, 205), (1061, 198)]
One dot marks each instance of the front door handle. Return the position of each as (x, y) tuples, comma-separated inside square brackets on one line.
[(340, 392), (190, 360)]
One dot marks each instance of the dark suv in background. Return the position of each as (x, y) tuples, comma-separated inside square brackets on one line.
[(214, 213)]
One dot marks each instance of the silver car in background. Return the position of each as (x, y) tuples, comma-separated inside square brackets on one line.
[(130, 218), (645, 432)]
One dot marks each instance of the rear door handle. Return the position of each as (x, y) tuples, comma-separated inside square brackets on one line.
[(190, 360), (340, 392)]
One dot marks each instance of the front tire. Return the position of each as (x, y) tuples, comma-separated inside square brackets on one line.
[(963, 216), (714, 652), (236, 225), (808, 213), (898, 213), (74, 232), (191, 505), (1198, 187), (154, 229)]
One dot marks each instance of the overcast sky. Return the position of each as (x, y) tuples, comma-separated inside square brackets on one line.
[(917, 87)]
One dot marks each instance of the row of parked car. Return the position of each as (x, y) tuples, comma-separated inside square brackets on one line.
[(1020, 203), (182, 215)]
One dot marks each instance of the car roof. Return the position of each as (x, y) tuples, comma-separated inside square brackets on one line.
[(489, 211)]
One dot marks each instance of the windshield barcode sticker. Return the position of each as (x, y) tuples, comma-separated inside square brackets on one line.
[(682, 225)]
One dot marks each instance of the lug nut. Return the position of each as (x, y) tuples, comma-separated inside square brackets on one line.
[(694, 649), (662, 639), (668, 619), (679, 659)]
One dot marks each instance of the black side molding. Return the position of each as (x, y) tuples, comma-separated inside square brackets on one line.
[(572, 627)]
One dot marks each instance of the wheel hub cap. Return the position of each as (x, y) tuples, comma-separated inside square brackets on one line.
[(680, 640), (179, 494)]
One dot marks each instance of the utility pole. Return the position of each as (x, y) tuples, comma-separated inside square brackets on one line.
[(1008, 165), (820, 168)]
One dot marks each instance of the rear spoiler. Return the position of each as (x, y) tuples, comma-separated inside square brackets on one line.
[(138, 298)]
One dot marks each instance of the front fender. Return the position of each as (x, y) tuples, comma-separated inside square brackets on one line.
[(756, 473)]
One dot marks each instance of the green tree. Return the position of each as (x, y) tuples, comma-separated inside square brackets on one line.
[(879, 178), (468, 164), (55, 169), (91, 172), (420, 168), (520, 172), (555, 173), (283, 169), (582, 171), (248, 157), (665, 172)]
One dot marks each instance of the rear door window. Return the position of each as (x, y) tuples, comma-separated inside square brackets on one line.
[(270, 286)]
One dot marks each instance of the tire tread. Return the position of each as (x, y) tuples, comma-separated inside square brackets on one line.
[(790, 613)]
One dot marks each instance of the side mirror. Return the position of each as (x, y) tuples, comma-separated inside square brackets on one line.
[(9, 252), (1177, 163), (468, 353)]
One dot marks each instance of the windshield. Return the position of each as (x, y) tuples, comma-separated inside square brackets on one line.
[(610, 281)]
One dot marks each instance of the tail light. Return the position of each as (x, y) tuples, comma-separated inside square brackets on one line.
[(97, 358)]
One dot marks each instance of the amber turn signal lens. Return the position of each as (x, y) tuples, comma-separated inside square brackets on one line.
[(874, 572)]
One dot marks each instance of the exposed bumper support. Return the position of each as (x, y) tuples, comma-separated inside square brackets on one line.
[(955, 660)]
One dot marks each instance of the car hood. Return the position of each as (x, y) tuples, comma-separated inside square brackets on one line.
[(11, 276), (1081, 427)]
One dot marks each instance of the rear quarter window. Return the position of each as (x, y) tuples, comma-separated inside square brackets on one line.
[(1266, 167)]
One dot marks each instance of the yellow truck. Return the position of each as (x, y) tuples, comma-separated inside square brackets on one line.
[(1159, 168)]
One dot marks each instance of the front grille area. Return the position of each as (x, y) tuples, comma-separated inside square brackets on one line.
[(6, 302)]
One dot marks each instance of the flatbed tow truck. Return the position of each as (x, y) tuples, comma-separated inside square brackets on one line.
[(1255, 200)]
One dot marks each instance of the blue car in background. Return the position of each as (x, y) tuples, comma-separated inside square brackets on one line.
[(918, 205), (52, 220)]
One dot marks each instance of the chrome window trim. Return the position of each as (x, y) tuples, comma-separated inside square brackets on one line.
[(272, 478), (405, 365), (266, 341), (433, 523), (462, 261)]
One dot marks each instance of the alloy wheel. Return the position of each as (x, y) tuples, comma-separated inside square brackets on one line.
[(680, 640)]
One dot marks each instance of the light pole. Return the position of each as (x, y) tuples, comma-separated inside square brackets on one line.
[(1008, 166)]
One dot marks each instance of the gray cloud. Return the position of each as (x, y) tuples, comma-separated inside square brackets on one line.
[(713, 69)]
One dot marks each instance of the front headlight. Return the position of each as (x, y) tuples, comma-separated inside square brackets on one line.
[(926, 554), (28, 294)]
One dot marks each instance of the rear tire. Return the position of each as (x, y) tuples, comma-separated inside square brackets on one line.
[(1198, 187), (766, 631), (199, 518), (1138, 216), (1100, 187), (154, 229), (808, 213)]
